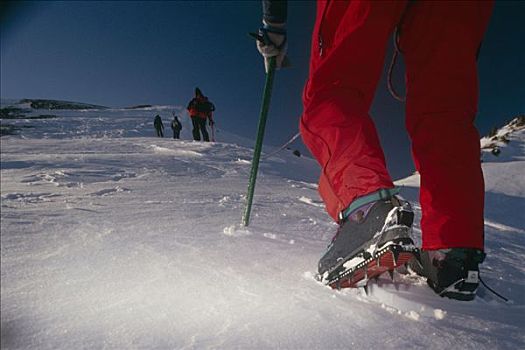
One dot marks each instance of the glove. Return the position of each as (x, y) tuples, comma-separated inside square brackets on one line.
[(271, 42), (211, 122)]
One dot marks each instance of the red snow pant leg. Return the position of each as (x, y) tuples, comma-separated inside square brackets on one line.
[(439, 41), (348, 49)]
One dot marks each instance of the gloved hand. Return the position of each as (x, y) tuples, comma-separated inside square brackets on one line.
[(211, 122), (271, 42)]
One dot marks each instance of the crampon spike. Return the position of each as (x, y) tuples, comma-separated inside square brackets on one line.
[(395, 256), (391, 273), (365, 288), (417, 256)]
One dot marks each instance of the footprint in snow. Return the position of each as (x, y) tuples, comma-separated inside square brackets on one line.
[(175, 152), (110, 191), (311, 202), (29, 197)]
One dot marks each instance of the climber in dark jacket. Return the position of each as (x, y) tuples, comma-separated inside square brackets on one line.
[(159, 127), (176, 126), (200, 109)]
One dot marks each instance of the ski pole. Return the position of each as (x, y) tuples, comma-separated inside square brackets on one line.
[(258, 143)]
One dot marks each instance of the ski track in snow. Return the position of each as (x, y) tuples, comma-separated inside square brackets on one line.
[(111, 238)]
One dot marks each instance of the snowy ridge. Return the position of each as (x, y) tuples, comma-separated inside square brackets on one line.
[(111, 238), (502, 137)]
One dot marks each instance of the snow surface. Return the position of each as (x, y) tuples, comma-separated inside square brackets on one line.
[(112, 238)]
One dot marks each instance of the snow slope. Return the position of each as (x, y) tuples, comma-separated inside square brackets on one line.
[(111, 238)]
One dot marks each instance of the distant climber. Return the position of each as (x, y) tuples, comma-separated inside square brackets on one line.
[(176, 126), (159, 127), (200, 110)]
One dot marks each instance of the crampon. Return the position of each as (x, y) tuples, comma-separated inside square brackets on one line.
[(369, 264)]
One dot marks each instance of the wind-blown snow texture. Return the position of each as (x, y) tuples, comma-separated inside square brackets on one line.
[(112, 238)]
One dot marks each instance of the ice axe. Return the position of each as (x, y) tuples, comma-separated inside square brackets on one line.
[(267, 94)]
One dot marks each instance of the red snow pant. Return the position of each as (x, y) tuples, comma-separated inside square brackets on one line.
[(439, 41)]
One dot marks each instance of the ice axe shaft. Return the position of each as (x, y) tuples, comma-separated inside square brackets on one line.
[(267, 94)]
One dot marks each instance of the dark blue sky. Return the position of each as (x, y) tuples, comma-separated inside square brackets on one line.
[(128, 53)]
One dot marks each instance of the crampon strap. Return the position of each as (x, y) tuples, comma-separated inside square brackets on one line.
[(382, 194)]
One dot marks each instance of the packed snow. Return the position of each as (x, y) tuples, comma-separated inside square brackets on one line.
[(113, 238)]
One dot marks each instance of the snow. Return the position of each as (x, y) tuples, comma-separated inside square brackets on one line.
[(112, 238)]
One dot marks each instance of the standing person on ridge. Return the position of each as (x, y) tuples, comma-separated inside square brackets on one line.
[(200, 110), (440, 41), (176, 126), (159, 127)]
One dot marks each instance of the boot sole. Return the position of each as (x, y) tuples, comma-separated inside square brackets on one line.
[(389, 257), (462, 296)]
